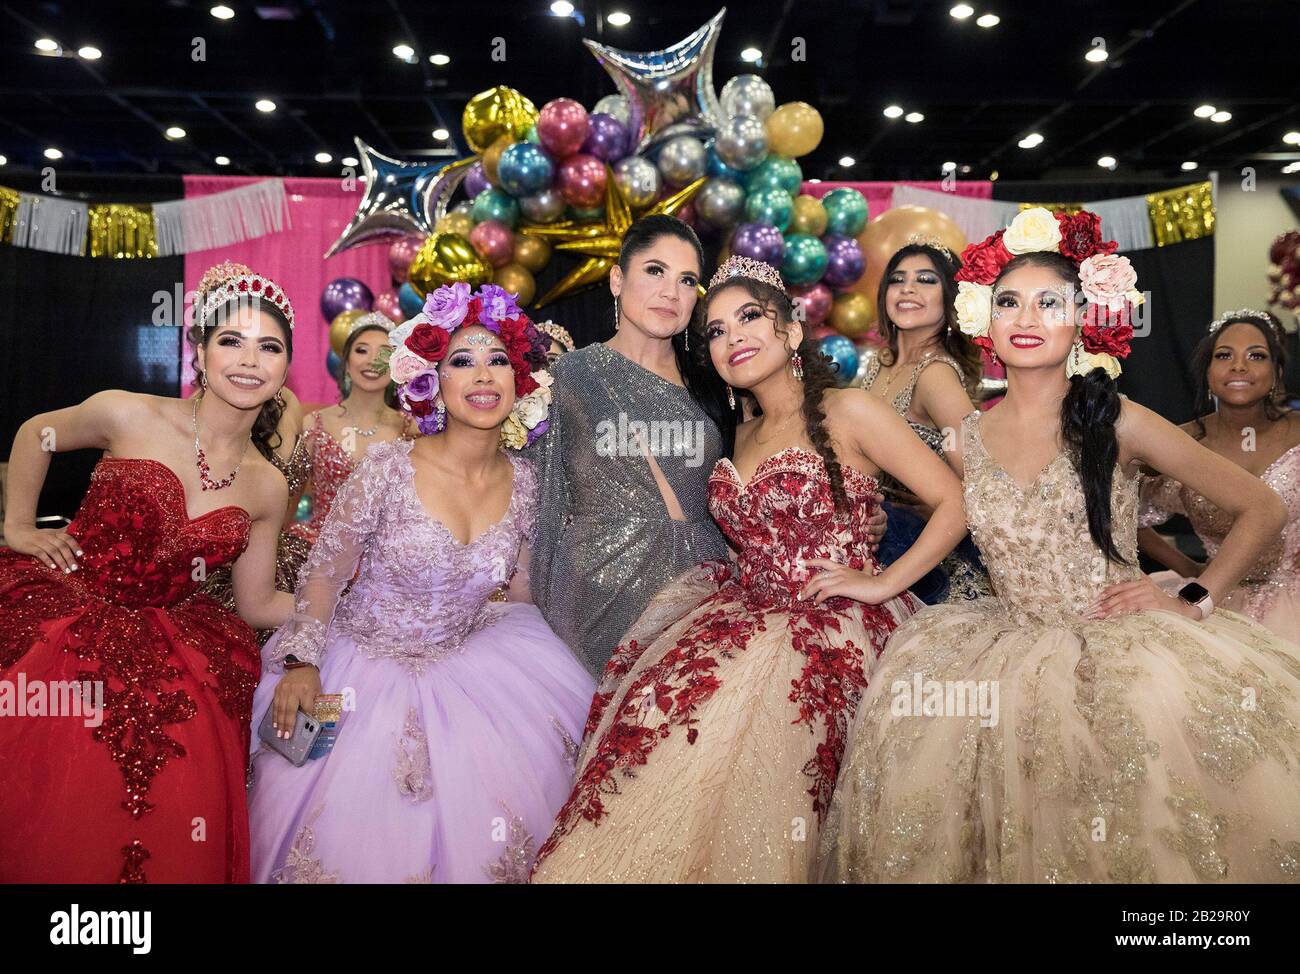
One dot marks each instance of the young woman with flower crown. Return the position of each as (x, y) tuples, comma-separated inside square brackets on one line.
[(1241, 364), (461, 712), (1085, 725), (120, 788), (716, 733)]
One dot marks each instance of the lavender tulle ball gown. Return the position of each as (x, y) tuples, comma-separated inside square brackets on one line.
[(460, 748)]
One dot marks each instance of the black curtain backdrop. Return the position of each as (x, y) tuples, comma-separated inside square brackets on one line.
[(74, 326), (1180, 280)]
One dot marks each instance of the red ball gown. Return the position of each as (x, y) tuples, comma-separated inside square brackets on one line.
[(155, 792)]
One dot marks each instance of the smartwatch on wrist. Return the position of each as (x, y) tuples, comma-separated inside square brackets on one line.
[(1193, 593), (292, 662)]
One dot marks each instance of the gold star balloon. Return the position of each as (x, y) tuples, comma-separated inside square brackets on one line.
[(600, 241)]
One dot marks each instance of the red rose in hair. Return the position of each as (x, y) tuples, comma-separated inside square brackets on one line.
[(982, 263), (428, 342), (524, 382), (419, 407), (473, 312), (984, 342), (1081, 236), (1107, 331)]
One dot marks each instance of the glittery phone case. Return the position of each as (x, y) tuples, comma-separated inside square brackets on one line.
[(306, 729)]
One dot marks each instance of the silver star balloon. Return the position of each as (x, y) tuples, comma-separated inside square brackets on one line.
[(672, 87), (402, 197)]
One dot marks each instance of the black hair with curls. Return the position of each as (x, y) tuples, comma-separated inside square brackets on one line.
[(950, 338), (702, 382), (1088, 416), (266, 436), (1204, 354), (818, 373)]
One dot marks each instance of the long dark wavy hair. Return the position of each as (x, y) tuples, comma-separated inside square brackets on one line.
[(1088, 416), (702, 382), (818, 373), (950, 338), (1204, 354), (390, 391), (266, 434)]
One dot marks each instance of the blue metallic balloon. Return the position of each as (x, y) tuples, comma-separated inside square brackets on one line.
[(715, 167), (843, 355), (495, 204), (524, 169), (334, 364), (409, 298)]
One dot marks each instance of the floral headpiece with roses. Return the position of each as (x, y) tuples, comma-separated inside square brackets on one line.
[(416, 348), (1107, 280)]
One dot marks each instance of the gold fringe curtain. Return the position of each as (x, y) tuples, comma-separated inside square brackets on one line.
[(1185, 213), (122, 230), (1069, 209)]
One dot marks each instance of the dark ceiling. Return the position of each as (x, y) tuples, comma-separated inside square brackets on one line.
[(329, 66)]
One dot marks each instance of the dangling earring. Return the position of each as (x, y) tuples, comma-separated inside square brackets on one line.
[(347, 386), (686, 339), (616, 312), (731, 398), (203, 379), (279, 397), (796, 366), (440, 414)]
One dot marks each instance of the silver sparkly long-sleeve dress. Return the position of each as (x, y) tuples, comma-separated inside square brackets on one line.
[(605, 543)]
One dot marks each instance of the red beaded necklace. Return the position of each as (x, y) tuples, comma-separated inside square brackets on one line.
[(201, 459)]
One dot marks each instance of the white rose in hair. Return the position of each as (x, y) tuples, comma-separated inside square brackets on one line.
[(974, 303), (1107, 279), (1033, 230), (532, 409)]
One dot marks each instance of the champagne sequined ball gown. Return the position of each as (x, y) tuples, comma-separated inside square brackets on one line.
[(1139, 748), (460, 747), (715, 736), (153, 789)]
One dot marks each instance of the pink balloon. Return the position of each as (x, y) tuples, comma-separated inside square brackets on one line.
[(388, 304), (400, 254), (562, 127), (823, 331), (687, 214), (494, 241), (816, 299), (581, 181)]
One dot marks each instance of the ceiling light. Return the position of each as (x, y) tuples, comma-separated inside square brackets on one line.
[(1286, 170), (53, 154), (993, 176), (814, 180), (847, 161), (965, 169), (1221, 117), (1096, 55), (1031, 141), (47, 45), (948, 167), (222, 160), (1107, 162), (350, 161), (440, 134), (4, 161), (1187, 166), (913, 117), (175, 132), (404, 51), (751, 54), (439, 59), (1291, 138), (619, 19), (90, 53), (562, 8), (893, 111), (222, 12), (961, 11), (989, 20), (324, 157), (1205, 111), (265, 105)]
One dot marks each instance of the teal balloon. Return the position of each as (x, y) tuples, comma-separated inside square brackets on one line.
[(495, 204), (333, 365), (775, 172), (531, 135), (524, 169), (805, 259), (843, 355), (772, 206), (846, 211), (409, 298), (303, 511)]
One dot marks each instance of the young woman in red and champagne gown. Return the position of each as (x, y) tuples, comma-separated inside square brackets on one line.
[(1085, 725), (715, 735), (1241, 363), (143, 778)]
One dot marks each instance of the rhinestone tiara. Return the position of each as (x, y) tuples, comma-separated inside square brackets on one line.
[(929, 240), (748, 267), (557, 332), (1247, 314), (231, 280), (371, 319)]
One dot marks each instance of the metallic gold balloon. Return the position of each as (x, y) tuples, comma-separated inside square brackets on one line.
[(518, 281), (888, 233), (808, 216), (492, 158), (447, 258), (852, 314), (531, 253), (496, 112), (794, 129), (458, 222), (341, 327)]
